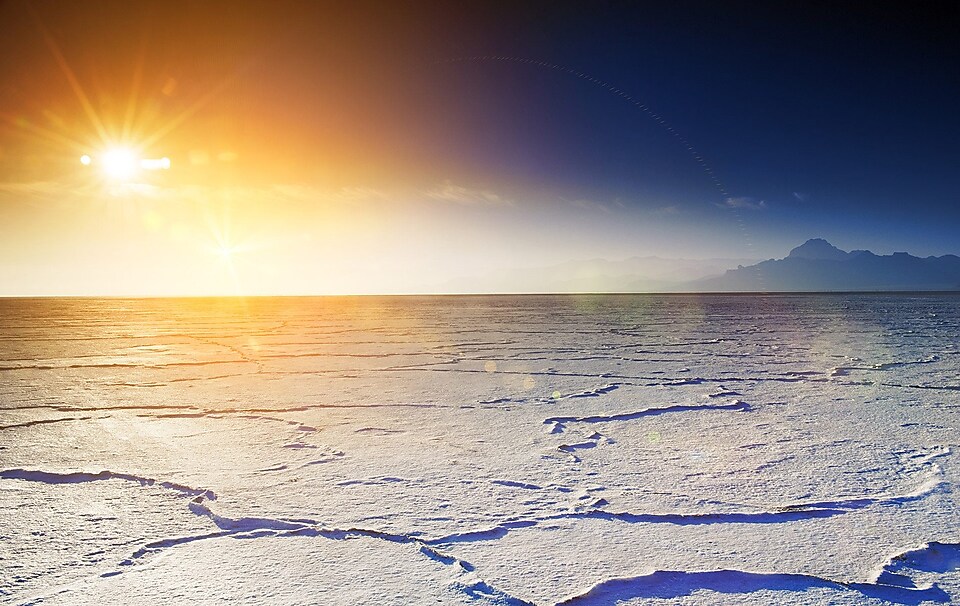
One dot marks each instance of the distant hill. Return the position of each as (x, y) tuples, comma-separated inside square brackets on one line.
[(817, 265)]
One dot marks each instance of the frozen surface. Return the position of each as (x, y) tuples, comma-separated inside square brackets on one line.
[(481, 450)]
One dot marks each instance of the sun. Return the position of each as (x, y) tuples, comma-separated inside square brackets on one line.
[(120, 163), (225, 252), (123, 164)]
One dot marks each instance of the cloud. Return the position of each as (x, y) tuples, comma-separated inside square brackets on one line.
[(448, 192), (595, 206), (671, 209), (310, 193), (32, 187), (278, 192), (361, 194), (294, 193), (590, 205), (743, 203)]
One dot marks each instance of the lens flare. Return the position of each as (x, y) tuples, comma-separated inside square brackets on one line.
[(155, 163)]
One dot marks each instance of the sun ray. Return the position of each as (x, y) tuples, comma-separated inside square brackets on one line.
[(71, 78), (49, 135), (187, 113), (128, 118)]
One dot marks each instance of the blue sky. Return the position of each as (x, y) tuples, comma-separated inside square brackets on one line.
[(839, 118)]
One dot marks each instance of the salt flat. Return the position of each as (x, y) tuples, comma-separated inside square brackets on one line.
[(790, 449)]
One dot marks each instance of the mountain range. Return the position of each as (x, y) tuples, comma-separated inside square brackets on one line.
[(818, 266), (814, 266)]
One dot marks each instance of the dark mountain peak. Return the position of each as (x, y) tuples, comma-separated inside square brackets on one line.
[(818, 266), (818, 249)]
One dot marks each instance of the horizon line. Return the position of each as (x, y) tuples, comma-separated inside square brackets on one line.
[(491, 294)]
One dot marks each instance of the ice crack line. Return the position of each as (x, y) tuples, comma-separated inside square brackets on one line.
[(471, 585), (559, 423), (252, 527), (42, 422), (78, 477), (774, 515), (841, 371), (889, 583), (248, 528)]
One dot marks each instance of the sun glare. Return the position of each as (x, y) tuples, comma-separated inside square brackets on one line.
[(123, 164), (225, 252), (155, 163), (120, 163)]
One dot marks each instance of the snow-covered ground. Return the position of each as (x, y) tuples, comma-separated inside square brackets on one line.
[(481, 450)]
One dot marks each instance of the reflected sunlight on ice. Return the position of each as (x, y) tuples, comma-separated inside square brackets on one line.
[(489, 450)]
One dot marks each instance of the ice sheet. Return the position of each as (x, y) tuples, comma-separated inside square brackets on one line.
[(491, 450)]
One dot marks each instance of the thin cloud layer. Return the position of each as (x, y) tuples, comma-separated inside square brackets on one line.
[(457, 194), (743, 203)]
